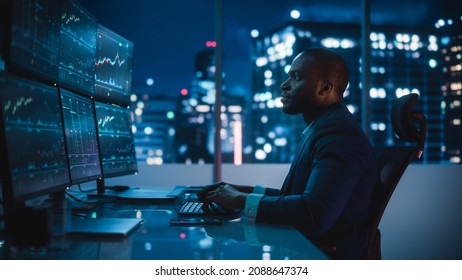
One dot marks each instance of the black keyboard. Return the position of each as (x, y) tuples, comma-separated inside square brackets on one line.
[(192, 208), (198, 208)]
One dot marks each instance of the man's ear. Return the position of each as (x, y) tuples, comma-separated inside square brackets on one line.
[(326, 88)]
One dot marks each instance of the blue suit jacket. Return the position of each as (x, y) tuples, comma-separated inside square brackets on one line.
[(327, 192)]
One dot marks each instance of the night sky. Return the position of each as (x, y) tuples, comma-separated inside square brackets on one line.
[(168, 33)]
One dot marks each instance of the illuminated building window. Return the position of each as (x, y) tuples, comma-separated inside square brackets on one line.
[(456, 68), (455, 159), (456, 86), (275, 39), (377, 93), (148, 130), (154, 161), (373, 36), (378, 126), (330, 43), (295, 14), (267, 148), (347, 44), (260, 140), (234, 109), (260, 154), (203, 108), (261, 61), (280, 142)]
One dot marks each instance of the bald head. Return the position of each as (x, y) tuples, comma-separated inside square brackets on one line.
[(330, 67)]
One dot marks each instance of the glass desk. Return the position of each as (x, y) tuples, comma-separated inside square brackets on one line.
[(157, 239)]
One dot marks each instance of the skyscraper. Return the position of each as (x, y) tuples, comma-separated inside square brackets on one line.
[(154, 128), (451, 65), (194, 138)]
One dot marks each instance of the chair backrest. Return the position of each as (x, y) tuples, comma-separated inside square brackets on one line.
[(408, 126)]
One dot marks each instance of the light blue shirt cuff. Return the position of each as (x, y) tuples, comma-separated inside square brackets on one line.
[(259, 189), (251, 206)]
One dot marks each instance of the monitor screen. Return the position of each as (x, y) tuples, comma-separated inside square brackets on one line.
[(77, 47), (34, 156), (3, 31), (113, 67), (116, 143), (81, 138), (34, 40)]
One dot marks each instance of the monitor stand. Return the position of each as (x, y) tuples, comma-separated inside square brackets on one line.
[(133, 194)]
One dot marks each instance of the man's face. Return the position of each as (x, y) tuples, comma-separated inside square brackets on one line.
[(300, 89)]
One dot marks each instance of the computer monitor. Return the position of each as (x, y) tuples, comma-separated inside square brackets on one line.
[(113, 67), (34, 38), (115, 138), (77, 48), (81, 137), (3, 31), (33, 156)]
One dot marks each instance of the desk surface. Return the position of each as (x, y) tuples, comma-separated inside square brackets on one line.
[(156, 239)]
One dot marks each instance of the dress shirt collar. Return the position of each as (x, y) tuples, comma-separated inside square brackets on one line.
[(307, 129)]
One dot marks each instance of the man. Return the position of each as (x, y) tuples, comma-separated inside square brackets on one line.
[(327, 192)]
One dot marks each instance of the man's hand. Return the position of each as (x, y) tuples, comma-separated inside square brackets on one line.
[(226, 196), (201, 194), (212, 187)]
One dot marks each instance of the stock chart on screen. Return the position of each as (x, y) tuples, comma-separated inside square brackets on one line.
[(116, 143), (81, 137), (77, 48), (113, 67), (34, 40), (33, 137)]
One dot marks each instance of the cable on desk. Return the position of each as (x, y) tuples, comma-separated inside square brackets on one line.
[(87, 202)]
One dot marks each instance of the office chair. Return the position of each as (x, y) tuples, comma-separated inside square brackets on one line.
[(393, 162)]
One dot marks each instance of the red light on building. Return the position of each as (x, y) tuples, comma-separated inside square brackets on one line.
[(211, 44), (184, 92)]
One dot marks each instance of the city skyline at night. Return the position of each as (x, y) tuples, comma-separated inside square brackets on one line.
[(168, 34)]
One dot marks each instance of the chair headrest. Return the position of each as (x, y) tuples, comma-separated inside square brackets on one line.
[(404, 119)]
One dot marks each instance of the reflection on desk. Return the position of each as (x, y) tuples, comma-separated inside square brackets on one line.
[(156, 239)]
